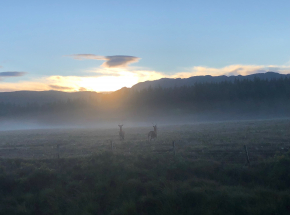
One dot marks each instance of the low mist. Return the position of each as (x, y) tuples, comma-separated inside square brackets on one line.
[(106, 120), (203, 102)]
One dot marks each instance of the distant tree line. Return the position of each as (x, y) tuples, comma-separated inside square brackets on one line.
[(59, 106), (200, 94), (239, 90)]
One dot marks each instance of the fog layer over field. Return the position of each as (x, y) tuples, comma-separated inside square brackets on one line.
[(202, 102), (73, 120)]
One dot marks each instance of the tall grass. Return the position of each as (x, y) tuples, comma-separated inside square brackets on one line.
[(110, 183)]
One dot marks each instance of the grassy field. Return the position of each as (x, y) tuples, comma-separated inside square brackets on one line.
[(220, 141), (77, 171)]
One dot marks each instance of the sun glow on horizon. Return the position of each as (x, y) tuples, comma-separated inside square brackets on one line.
[(115, 79), (100, 80), (107, 83), (105, 80), (112, 79)]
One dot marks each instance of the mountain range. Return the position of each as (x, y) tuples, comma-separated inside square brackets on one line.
[(41, 97), (178, 82)]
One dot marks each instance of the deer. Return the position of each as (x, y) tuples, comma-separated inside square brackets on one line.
[(121, 133), (152, 134)]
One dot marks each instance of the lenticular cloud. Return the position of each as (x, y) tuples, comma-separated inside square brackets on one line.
[(110, 61), (119, 61)]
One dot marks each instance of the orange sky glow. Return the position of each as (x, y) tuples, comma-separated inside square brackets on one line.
[(112, 79)]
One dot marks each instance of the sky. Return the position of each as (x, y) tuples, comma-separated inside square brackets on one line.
[(106, 45)]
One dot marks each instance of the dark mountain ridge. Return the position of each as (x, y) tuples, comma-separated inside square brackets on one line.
[(242, 99), (42, 97), (179, 82)]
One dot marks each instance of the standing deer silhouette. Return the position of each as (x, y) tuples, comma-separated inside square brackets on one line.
[(152, 134), (121, 133)]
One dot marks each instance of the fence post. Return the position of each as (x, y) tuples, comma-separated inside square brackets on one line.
[(57, 151), (173, 145), (247, 154), (111, 145)]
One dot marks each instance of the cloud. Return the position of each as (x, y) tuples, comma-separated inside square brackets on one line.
[(106, 79), (138, 74), (119, 61), (24, 85), (100, 80), (12, 74), (83, 89), (87, 57), (110, 61), (231, 70), (61, 88)]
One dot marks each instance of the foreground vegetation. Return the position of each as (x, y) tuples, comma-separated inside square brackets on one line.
[(207, 175), (118, 184)]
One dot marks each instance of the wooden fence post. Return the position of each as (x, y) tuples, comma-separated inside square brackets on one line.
[(247, 154), (173, 145), (57, 151)]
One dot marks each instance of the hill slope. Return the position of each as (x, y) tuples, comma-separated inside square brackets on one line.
[(178, 82), (41, 97)]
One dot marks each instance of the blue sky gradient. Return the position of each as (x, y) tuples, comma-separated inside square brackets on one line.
[(169, 36)]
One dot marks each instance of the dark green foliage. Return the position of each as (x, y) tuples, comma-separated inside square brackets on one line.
[(240, 95), (141, 184), (223, 91)]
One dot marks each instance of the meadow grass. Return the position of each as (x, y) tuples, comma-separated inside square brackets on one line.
[(208, 175)]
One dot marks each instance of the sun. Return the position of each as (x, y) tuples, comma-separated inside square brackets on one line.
[(108, 83), (103, 80)]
